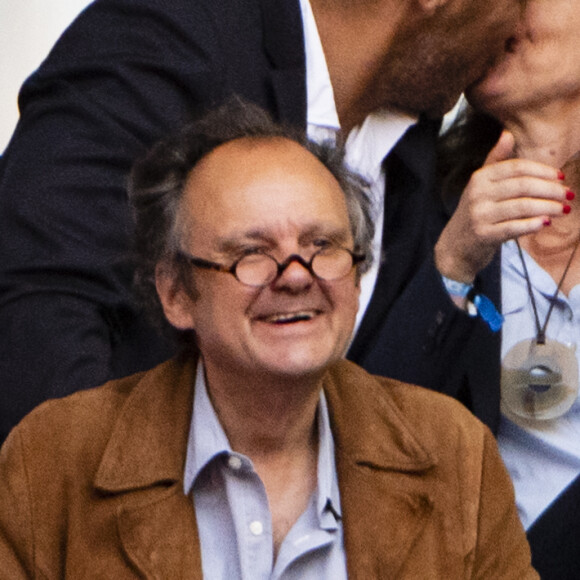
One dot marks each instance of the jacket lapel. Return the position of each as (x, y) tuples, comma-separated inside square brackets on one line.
[(143, 466), (385, 505), (383, 518), (410, 215), (284, 44), (160, 538)]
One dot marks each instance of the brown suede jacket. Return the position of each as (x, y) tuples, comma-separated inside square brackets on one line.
[(91, 485)]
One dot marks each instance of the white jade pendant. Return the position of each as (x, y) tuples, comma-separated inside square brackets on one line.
[(539, 381)]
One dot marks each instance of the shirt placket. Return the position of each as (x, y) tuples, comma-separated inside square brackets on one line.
[(251, 517)]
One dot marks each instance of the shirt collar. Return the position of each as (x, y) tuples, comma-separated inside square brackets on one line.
[(207, 440), (328, 499), (368, 144), (321, 109)]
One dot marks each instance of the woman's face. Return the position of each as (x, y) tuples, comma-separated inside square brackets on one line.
[(541, 62)]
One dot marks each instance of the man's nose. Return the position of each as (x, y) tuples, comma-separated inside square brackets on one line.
[(295, 275)]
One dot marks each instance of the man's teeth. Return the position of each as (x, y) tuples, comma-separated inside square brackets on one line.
[(283, 318)]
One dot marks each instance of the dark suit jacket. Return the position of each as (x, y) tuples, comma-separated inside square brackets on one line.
[(125, 73), (92, 485)]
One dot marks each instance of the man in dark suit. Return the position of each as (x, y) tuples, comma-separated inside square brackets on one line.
[(126, 72), (258, 452)]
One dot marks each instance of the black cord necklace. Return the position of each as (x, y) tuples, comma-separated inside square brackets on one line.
[(541, 329), (539, 376)]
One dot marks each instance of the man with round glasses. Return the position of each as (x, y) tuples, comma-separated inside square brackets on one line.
[(258, 452)]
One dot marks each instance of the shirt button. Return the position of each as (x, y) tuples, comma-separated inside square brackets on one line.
[(256, 528), (234, 462)]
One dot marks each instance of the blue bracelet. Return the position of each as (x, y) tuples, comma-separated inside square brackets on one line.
[(477, 304), (456, 288)]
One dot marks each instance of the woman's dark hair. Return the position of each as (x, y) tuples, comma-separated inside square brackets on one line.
[(462, 149)]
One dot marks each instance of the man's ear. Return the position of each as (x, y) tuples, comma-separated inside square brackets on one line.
[(177, 303)]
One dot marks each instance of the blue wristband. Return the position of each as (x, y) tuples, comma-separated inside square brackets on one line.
[(456, 288), (477, 304)]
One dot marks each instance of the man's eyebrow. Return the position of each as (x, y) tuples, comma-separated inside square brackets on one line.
[(334, 234), (233, 242)]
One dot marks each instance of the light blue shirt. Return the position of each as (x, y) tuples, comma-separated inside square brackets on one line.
[(233, 516), (542, 457)]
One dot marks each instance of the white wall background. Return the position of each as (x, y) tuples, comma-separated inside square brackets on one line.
[(28, 29)]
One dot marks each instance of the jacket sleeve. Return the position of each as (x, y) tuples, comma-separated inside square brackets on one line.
[(502, 550), (123, 74), (428, 325), (426, 340)]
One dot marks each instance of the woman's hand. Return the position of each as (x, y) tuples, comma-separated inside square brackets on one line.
[(505, 199)]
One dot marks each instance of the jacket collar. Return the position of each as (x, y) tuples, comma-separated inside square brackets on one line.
[(371, 428), (143, 464), (152, 425), (410, 213), (385, 505), (156, 416)]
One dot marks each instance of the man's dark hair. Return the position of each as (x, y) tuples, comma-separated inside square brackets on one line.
[(158, 181)]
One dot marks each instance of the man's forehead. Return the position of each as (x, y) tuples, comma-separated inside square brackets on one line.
[(265, 191), (244, 166), (305, 234), (243, 148)]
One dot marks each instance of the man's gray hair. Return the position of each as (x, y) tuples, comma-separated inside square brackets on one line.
[(158, 182)]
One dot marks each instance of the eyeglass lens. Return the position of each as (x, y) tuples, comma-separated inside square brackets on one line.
[(261, 269)]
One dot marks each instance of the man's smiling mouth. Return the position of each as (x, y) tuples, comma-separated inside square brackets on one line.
[(290, 317)]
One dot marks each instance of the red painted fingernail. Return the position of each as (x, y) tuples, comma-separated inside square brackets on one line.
[(547, 222), (566, 209), (561, 175), (570, 195)]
